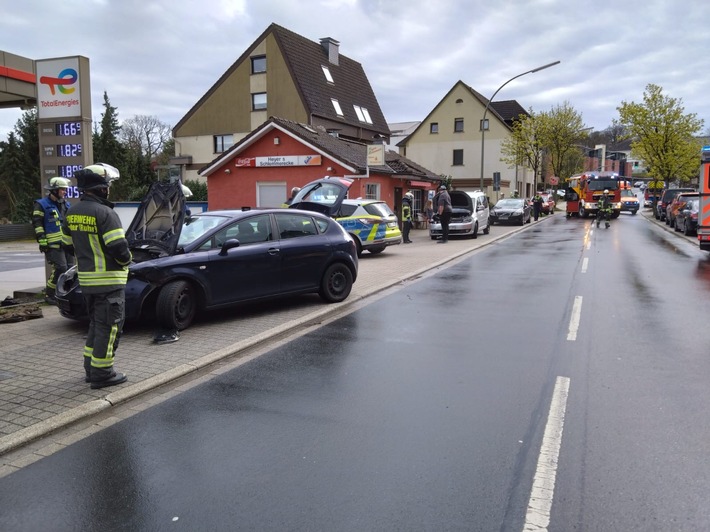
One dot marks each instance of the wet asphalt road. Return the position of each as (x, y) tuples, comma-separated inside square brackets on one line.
[(425, 409)]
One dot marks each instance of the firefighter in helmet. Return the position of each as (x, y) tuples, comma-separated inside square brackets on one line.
[(94, 231), (604, 208), (407, 212), (48, 215)]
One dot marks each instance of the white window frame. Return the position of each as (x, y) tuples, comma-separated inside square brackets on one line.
[(336, 106), (257, 106), (372, 191), (328, 75)]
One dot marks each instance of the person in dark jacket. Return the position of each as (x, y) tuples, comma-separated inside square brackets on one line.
[(537, 205), (48, 215), (93, 229), (444, 209)]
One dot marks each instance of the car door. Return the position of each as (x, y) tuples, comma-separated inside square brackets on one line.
[(323, 195), (303, 250), (247, 271)]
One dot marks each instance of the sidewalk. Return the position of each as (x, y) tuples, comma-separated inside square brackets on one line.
[(42, 386)]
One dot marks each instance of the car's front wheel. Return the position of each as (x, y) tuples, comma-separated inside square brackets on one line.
[(176, 305), (475, 230), (336, 284)]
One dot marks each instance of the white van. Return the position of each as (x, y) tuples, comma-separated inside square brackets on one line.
[(469, 215)]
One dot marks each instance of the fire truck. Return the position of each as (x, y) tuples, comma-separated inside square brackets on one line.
[(584, 190), (704, 192)]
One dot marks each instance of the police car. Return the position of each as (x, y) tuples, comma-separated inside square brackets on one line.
[(371, 223)]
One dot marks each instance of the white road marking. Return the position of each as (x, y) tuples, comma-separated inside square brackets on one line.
[(589, 242), (537, 517), (585, 264), (574, 319)]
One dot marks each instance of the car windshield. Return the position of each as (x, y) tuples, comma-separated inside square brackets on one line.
[(510, 204), (379, 209), (196, 226), (627, 193), (601, 184)]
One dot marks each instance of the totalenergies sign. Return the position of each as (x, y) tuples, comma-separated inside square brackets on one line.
[(58, 87)]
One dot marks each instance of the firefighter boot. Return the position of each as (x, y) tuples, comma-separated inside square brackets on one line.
[(87, 369), (103, 377)]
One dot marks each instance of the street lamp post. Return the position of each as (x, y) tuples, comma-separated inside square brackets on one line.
[(485, 112)]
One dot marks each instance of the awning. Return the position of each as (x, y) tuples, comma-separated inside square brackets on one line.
[(424, 184)]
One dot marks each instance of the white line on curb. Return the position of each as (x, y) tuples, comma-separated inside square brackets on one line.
[(537, 517)]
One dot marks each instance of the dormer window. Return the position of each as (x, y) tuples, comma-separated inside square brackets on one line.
[(336, 105), (327, 73), (363, 115)]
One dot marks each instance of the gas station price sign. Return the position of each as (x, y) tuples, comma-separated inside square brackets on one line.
[(67, 129)]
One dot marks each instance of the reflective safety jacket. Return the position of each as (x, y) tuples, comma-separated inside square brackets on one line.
[(47, 219), (94, 229), (604, 204), (406, 211)]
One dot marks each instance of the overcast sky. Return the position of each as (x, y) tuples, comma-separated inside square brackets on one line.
[(158, 57)]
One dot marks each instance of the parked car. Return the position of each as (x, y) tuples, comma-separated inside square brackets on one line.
[(666, 197), (511, 211), (372, 225), (686, 219), (629, 201), (548, 203), (184, 265), (677, 203), (638, 184), (470, 214)]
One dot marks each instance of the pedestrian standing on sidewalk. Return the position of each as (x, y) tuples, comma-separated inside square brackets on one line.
[(94, 231), (444, 203), (407, 216), (428, 211), (48, 215)]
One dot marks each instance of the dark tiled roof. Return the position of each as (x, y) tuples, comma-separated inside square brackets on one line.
[(305, 59), (350, 84), (351, 153)]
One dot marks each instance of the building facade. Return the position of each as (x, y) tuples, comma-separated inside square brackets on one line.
[(286, 75)]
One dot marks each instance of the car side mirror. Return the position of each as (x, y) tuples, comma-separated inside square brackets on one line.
[(229, 244)]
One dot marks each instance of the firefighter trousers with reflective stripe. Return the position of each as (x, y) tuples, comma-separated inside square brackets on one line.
[(60, 260), (106, 317)]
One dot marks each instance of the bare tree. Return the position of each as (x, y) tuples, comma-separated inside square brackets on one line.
[(146, 135)]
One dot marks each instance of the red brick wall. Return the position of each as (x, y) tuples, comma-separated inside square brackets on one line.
[(238, 188)]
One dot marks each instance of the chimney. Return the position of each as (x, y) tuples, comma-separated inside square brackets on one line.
[(330, 46)]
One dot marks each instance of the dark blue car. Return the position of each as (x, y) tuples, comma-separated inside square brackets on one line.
[(184, 265)]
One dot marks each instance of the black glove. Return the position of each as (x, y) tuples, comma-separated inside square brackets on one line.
[(43, 247), (436, 218)]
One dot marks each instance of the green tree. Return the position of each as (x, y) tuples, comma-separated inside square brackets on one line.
[(561, 129), (107, 147), (198, 189), (524, 145), (663, 135), (20, 179)]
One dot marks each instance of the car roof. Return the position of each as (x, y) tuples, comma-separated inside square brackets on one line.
[(361, 201)]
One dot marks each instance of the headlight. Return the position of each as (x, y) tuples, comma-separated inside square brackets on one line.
[(467, 219), (516, 213)]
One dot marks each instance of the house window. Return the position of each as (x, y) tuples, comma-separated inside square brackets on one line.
[(328, 75), (458, 125), (434, 127), (223, 143), (258, 101), (258, 64), (372, 191), (484, 124), (363, 115), (458, 157), (337, 107)]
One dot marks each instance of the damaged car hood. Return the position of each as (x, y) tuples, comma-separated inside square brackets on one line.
[(157, 224)]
